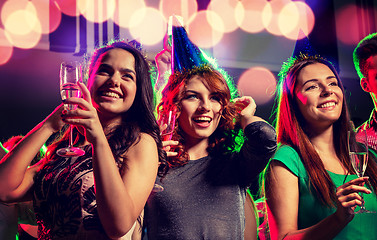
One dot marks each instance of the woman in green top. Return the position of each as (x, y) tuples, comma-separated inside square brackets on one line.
[(311, 188)]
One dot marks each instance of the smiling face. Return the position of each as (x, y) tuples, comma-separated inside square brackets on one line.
[(112, 84), (200, 111), (318, 95)]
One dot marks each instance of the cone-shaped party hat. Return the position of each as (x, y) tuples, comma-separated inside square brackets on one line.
[(186, 55)]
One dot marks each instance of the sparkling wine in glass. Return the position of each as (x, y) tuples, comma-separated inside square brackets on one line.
[(358, 151), (70, 76), (167, 121)]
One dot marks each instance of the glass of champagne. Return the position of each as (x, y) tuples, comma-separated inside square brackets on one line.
[(358, 151), (70, 76), (167, 122)]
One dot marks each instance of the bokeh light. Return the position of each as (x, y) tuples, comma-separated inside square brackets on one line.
[(68, 7), (97, 11), (125, 9), (201, 32), (259, 83), (48, 14), (296, 20), (348, 25), (186, 9), (10, 7), (25, 41), (226, 10), (6, 48), (252, 19), (270, 16), (148, 26)]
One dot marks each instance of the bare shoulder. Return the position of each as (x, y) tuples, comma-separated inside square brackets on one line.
[(146, 140), (143, 149)]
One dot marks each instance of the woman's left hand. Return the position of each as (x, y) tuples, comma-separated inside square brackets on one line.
[(85, 115), (246, 108)]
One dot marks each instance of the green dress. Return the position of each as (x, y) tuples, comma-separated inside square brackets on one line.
[(311, 210)]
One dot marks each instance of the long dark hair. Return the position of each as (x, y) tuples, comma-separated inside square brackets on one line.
[(223, 140), (291, 130), (139, 118)]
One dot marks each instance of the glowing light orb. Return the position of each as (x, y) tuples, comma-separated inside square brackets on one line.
[(22, 22), (270, 16), (186, 9), (347, 24), (252, 20), (226, 11), (10, 6), (201, 32), (125, 10), (295, 18), (148, 26), (97, 11), (259, 83), (48, 14)]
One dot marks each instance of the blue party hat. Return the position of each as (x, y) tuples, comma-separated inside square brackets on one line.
[(186, 55)]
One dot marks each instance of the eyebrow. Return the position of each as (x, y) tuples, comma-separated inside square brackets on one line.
[(316, 80), (128, 70)]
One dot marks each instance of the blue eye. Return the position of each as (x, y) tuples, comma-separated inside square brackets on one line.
[(191, 96)]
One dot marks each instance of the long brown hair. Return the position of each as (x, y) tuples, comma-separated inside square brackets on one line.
[(290, 128), (172, 96)]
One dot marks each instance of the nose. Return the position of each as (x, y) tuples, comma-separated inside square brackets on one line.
[(204, 105), (327, 91), (114, 80)]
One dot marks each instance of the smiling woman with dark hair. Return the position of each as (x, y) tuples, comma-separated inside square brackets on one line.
[(101, 194)]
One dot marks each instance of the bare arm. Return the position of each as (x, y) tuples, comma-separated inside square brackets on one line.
[(120, 197), (283, 200), (15, 175), (250, 219)]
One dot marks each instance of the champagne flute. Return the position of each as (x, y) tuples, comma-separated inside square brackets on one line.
[(70, 76), (166, 134), (169, 120), (358, 151)]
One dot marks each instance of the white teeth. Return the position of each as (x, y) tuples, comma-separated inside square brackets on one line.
[(326, 105), (110, 94), (203, 119)]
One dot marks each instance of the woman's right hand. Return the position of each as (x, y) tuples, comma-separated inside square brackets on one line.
[(349, 198)]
